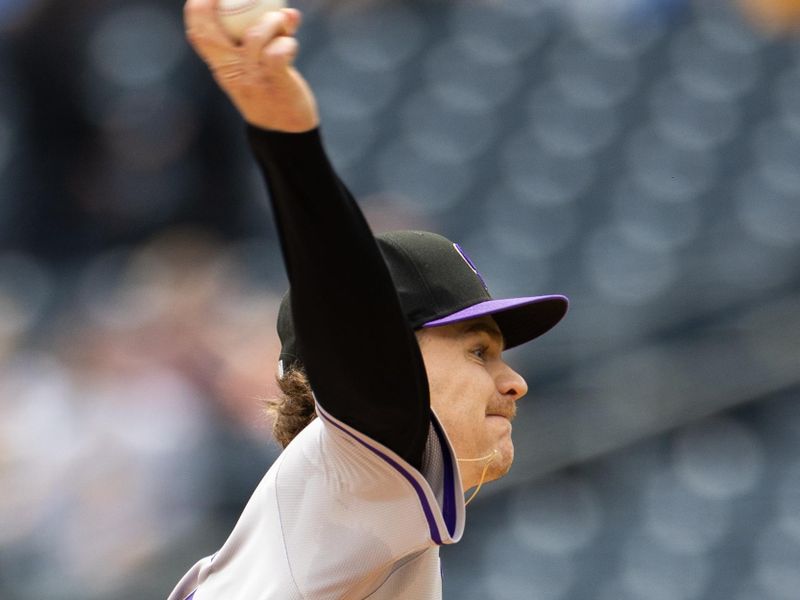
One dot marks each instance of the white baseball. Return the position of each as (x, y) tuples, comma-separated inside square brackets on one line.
[(236, 16)]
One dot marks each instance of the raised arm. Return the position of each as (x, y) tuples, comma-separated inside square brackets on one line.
[(360, 355)]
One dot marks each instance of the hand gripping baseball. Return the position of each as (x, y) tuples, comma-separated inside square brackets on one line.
[(257, 74)]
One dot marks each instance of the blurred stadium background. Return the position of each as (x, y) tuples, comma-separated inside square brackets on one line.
[(641, 156)]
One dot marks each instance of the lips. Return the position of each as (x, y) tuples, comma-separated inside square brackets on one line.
[(507, 410), (503, 415)]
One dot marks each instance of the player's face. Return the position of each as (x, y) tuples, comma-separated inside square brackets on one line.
[(474, 393)]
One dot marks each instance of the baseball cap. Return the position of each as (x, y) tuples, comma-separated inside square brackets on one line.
[(438, 284)]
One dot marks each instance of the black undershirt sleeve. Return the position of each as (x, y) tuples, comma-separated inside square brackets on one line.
[(361, 356)]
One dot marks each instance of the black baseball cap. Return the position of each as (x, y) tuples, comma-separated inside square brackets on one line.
[(438, 284)]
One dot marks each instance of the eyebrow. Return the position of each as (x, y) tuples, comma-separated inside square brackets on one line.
[(492, 330)]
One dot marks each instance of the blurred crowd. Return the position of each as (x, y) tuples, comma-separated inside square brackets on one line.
[(130, 407)]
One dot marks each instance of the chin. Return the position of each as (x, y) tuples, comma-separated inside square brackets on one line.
[(502, 464)]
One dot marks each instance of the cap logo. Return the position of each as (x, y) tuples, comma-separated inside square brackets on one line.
[(471, 265)]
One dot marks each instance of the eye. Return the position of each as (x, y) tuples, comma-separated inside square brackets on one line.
[(480, 351)]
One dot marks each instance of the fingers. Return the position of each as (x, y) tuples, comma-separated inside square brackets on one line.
[(258, 37), (280, 54), (204, 32), (269, 42), (294, 19)]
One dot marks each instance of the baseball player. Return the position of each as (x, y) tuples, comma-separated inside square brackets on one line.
[(409, 399)]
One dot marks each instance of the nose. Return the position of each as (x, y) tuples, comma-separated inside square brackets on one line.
[(511, 384)]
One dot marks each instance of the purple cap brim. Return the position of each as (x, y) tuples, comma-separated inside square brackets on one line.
[(519, 319)]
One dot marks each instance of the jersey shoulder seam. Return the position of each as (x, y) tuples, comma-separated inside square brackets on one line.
[(283, 536)]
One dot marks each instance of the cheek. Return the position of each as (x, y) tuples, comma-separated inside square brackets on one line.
[(460, 399), (475, 393)]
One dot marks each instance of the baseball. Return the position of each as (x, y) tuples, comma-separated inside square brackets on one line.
[(236, 16)]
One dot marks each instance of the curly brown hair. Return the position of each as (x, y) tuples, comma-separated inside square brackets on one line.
[(293, 409)]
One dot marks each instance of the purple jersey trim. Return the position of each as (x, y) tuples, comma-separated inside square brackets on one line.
[(449, 508), (190, 596), (437, 539)]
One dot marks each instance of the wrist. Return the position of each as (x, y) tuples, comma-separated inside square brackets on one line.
[(286, 125)]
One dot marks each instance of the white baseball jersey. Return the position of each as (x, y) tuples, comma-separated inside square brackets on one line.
[(339, 516)]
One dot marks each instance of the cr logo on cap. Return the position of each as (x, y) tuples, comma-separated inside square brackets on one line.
[(471, 265)]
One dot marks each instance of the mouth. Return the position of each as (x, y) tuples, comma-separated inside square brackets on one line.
[(502, 410), (506, 418), (503, 415)]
